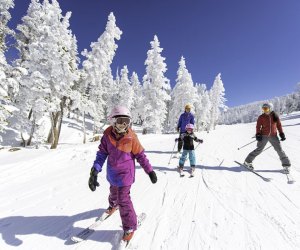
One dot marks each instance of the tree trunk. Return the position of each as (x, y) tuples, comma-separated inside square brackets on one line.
[(31, 132), (83, 125), (77, 115), (54, 132), (50, 136), (23, 143), (54, 119), (57, 126), (55, 139), (62, 105), (30, 113), (94, 128)]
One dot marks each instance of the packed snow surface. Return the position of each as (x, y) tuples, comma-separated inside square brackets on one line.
[(45, 199)]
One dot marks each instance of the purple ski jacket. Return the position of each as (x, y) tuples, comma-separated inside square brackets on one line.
[(184, 119), (121, 154)]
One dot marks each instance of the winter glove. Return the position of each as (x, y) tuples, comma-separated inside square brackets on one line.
[(258, 137), (93, 183), (199, 140), (153, 177), (176, 139), (282, 136)]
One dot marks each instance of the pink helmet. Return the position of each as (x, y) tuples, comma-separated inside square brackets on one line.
[(189, 126), (116, 119), (119, 111)]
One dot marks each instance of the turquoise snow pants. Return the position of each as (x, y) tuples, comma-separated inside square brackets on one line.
[(184, 155)]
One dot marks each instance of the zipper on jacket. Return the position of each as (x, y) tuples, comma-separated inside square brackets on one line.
[(270, 126)]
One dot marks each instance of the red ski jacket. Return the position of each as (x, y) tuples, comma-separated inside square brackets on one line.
[(267, 126)]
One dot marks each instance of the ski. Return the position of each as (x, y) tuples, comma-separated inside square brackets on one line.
[(125, 244), (87, 232), (254, 172)]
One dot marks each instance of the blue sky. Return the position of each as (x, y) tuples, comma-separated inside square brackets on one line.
[(254, 44)]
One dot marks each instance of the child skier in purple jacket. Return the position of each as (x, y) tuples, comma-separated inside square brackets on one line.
[(121, 146)]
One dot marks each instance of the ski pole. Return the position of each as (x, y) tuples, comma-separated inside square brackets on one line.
[(172, 153), (246, 145), (197, 146)]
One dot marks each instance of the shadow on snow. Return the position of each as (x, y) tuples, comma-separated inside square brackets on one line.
[(209, 168), (237, 169), (52, 226), (159, 152)]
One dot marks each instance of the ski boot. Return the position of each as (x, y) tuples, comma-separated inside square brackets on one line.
[(286, 169), (180, 170), (192, 171), (248, 165), (128, 234), (110, 210)]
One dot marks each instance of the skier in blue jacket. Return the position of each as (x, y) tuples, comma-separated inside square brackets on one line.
[(185, 118)]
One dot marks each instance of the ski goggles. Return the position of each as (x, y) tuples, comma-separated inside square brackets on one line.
[(266, 109), (122, 120)]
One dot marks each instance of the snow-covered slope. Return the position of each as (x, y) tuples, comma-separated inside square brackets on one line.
[(44, 197)]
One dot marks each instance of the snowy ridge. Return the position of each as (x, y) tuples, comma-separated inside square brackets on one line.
[(44, 197)]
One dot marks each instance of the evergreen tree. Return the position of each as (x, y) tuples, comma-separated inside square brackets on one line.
[(137, 105), (298, 95), (6, 82), (202, 107), (80, 101), (98, 64), (217, 94), (155, 87), (184, 92), (110, 91), (125, 89), (48, 51), (5, 16)]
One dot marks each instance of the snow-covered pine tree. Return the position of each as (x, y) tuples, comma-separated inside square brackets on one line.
[(137, 106), (298, 95), (80, 101), (5, 16), (279, 105), (115, 90), (206, 102), (110, 90), (291, 103), (6, 82), (48, 50), (155, 87), (125, 89), (202, 107), (97, 64), (184, 92), (217, 94)]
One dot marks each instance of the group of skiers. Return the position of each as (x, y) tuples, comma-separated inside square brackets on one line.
[(186, 139), (121, 146)]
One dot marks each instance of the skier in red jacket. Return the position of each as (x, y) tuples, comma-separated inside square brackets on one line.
[(266, 131)]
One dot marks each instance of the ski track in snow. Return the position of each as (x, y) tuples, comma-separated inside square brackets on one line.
[(44, 198)]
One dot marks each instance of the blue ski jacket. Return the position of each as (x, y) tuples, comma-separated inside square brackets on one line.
[(184, 119)]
